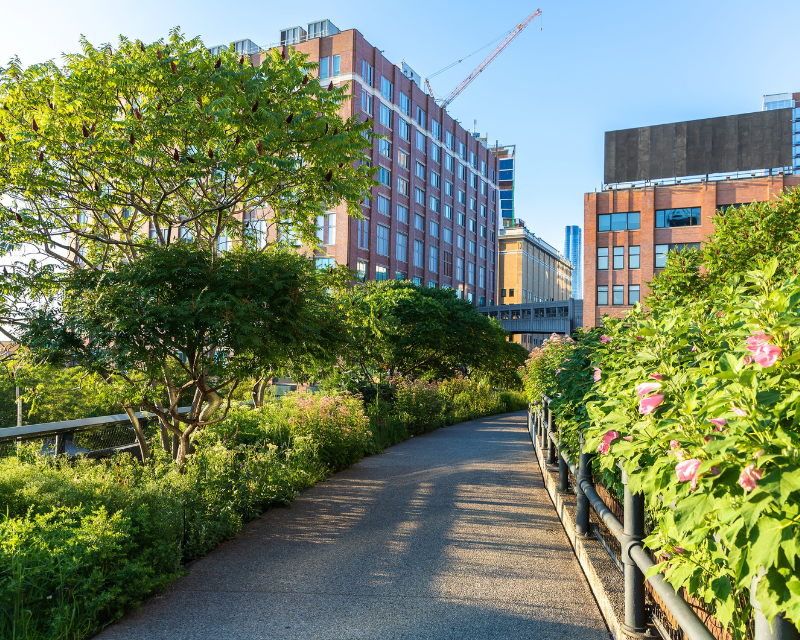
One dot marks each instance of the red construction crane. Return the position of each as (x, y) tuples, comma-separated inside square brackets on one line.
[(513, 34)]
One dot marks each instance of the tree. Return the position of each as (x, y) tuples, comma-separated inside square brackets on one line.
[(181, 320), (147, 144), (398, 328)]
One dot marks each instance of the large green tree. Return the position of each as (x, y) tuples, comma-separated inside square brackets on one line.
[(180, 320)]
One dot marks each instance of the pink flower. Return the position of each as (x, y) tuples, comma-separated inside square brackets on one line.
[(628, 438), (739, 412), (680, 550), (758, 454), (757, 340), (610, 436), (687, 470), (597, 374), (647, 387), (656, 376), (719, 422), (749, 477), (707, 439), (748, 360), (767, 355), (694, 348), (674, 444), (640, 338), (650, 404), (558, 371), (719, 314), (604, 338)]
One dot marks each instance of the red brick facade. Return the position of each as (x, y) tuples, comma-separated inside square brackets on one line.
[(647, 200)]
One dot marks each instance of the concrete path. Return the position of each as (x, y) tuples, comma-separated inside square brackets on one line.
[(447, 535)]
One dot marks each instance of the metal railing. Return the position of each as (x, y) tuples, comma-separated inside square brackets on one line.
[(630, 534), (95, 437)]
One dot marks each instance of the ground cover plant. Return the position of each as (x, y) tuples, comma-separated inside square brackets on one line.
[(698, 398)]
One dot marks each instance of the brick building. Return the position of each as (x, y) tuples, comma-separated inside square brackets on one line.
[(633, 223), (434, 217)]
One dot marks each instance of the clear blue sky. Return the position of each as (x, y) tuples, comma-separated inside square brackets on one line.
[(593, 67)]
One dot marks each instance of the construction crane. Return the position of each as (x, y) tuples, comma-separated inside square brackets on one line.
[(479, 69)]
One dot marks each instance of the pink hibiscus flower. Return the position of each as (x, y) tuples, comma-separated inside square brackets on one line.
[(749, 477), (739, 412), (604, 338), (764, 353), (719, 422), (687, 470), (657, 376), (610, 436), (646, 388), (597, 374), (649, 404)]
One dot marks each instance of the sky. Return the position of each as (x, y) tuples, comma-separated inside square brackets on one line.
[(581, 69)]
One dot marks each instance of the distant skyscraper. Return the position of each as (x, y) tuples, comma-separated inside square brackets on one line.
[(572, 250)]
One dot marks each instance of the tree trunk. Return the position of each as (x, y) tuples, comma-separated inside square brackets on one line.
[(213, 402), (257, 393), (183, 452), (137, 427)]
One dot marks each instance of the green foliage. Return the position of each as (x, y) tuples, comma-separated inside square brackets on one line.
[(714, 441)]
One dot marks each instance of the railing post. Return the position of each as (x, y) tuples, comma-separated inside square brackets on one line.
[(635, 614), (61, 444), (584, 473), (780, 630), (563, 471), (551, 446)]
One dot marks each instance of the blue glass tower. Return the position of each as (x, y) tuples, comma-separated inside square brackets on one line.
[(572, 251)]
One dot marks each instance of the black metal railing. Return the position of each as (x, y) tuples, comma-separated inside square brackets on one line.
[(635, 560)]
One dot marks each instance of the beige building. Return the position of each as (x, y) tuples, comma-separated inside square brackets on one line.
[(529, 269)]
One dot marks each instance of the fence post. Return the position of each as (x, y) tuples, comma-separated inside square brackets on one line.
[(61, 444), (551, 446), (563, 472), (584, 473), (781, 629), (635, 614)]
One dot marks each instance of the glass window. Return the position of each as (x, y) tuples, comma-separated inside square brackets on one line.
[(633, 257), (506, 164), (462, 150), (436, 153), (433, 263), (448, 162), (633, 220), (602, 296), (404, 129), (386, 88), (460, 269), (324, 68), (421, 141), (363, 234), (482, 277), (447, 235), (619, 221), (661, 255), (472, 225), (616, 221), (472, 247), (419, 254), (399, 275), (462, 218), (448, 188), (460, 241), (434, 229), (462, 172), (337, 65), (384, 205), (366, 102), (385, 147), (420, 117), (604, 223), (686, 217), (618, 294), (419, 196), (367, 72), (384, 176), (434, 204), (381, 273), (471, 273), (403, 158), (417, 281), (448, 212), (602, 258), (405, 104), (449, 140), (386, 116), (331, 228), (633, 294), (402, 247), (383, 240), (419, 170), (507, 175), (462, 196), (419, 222), (619, 257), (402, 213), (436, 130), (361, 270)]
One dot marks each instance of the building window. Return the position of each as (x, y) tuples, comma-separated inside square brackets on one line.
[(602, 258), (324, 68), (399, 275), (385, 148), (614, 221), (473, 204), (419, 196), (483, 211), (491, 280), (383, 240), (419, 254), (473, 159), (435, 204), (417, 281), (447, 264), (483, 172), (662, 250), (434, 229), (402, 213), (633, 294), (420, 141), (462, 150), (384, 205), (384, 176), (618, 295), (433, 264), (462, 172), (482, 277), (420, 117), (460, 241), (436, 129), (403, 158), (435, 179), (361, 270), (482, 252), (448, 162), (460, 269), (402, 247), (386, 116), (447, 235), (471, 273), (419, 170), (366, 102), (472, 225), (405, 104), (436, 153), (510, 293), (337, 65), (448, 188), (404, 129), (666, 218), (502, 293), (363, 234), (433, 284), (602, 296), (473, 180), (448, 212), (367, 72), (462, 197), (381, 273), (462, 218), (331, 228), (386, 88), (633, 257), (619, 257), (320, 233), (472, 247), (449, 141), (402, 186), (419, 222)]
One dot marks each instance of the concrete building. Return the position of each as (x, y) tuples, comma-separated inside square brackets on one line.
[(573, 251), (531, 270), (664, 185), (434, 218)]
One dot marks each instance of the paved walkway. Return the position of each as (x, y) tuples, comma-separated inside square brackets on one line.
[(447, 535)]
